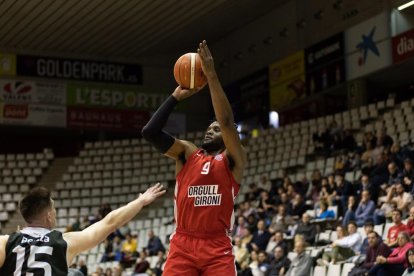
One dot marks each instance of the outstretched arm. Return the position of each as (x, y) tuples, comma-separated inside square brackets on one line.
[(3, 242), (90, 237), (163, 141), (224, 113)]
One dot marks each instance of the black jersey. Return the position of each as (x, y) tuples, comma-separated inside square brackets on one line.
[(37, 252)]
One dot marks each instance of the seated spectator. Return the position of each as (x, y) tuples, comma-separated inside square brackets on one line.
[(301, 265), (82, 267), (398, 197), (254, 264), (240, 229), (264, 183), (276, 240), (306, 229), (364, 212), (325, 213), (396, 262), (109, 253), (410, 223), (281, 221), (410, 263), (296, 206), (344, 248), (117, 245), (142, 265), (368, 228), (263, 262), (375, 248), (154, 244), (350, 211), (260, 237), (265, 207), (280, 263), (392, 235), (129, 248), (241, 253), (408, 175), (159, 265)]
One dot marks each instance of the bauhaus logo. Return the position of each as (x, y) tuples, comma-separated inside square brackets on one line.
[(403, 46)]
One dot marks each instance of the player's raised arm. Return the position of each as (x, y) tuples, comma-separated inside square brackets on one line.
[(161, 140), (90, 237), (223, 112)]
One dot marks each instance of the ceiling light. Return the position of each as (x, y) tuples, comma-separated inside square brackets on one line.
[(406, 5)]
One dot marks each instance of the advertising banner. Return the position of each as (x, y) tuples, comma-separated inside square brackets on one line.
[(7, 64), (249, 96), (325, 65), (287, 80), (100, 96), (106, 119), (403, 46), (29, 92), (33, 115), (82, 70), (368, 46)]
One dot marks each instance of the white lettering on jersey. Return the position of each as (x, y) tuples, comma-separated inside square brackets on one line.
[(42, 239), (206, 168), (205, 195)]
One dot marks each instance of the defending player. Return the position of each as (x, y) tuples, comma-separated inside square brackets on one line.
[(39, 250), (207, 182)]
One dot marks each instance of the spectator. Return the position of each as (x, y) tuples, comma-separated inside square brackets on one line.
[(306, 229), (117, 245), (367, 154), (241, 229), (142, 264), (154, 244), (240, 252), (396, 262), (108, 271), (344, 189), (344, 248), (109, 253), (296, 206), (325, 213), (368, 228), (394, 174), (392, 235), (260, 237), (410, 223), (365, 184), (350, 211), (82, 267), (396, 197), (254, 264), (104, 209), (265, 206), (410, 261), (247, 238), (281, 220), (264, 183), (117, 271), (280, 263), (408, 175), (301, 265), (129, 248), (375, 248), (262, 262), (275, 241), (364, 212), (159, 265)]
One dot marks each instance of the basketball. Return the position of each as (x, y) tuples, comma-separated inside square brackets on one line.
[(188, 72)]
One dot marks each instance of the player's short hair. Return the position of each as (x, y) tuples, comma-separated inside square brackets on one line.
[(34, 203)]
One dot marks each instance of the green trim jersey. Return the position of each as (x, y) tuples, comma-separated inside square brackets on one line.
[(37, 252)]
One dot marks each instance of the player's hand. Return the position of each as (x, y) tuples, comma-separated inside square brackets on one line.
[(207, 61), (152, 193), (181, 93)]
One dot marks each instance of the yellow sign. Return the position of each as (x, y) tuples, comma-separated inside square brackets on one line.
[(7, 64), (287, 80)]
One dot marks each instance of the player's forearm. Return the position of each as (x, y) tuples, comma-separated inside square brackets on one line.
[(124, 214), (221, 105)]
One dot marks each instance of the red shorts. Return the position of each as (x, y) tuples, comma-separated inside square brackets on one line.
[(193, 256)]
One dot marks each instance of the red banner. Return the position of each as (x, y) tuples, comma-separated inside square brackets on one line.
[(403, 46), (106, 119)]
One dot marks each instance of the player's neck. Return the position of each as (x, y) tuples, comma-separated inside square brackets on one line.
[(38, 225), (213, 151)]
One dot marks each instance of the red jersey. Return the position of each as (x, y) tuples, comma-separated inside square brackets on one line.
[(204, 195)]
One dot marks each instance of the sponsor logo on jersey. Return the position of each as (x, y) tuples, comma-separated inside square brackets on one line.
[(219, 157), (28, 240), (205, 195)]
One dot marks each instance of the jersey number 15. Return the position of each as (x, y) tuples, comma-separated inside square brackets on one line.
[(31, 262)]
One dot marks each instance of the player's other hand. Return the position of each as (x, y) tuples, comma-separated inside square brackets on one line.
[(152, 193), (181, 93), (207, 61)]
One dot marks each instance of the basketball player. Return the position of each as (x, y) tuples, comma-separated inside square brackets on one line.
[(207, 182), (39, 250)]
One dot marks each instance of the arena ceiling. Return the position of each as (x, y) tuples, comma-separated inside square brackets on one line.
[(127, 30)]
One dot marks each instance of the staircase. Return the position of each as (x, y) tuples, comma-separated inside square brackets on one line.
[(54, 174)]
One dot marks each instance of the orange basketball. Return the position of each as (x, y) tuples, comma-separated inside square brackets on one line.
[(188, 72)]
